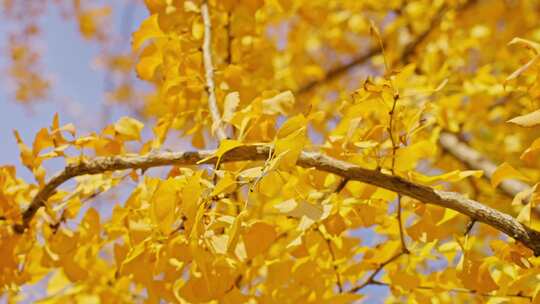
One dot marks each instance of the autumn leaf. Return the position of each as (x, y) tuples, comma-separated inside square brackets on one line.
[(149, 29), (164, 201), (355, 146), (475, 274), (128, 128), (532, 152), (224, 147), (452, 176), (258, 238), (280, 103), (230, 104), (527, 120), (290, 140), (505, 171)]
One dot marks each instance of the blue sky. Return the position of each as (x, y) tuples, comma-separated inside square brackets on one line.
[(77, 86)]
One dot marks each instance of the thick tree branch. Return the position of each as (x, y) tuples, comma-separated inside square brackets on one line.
[(217, 124), (498, 220)]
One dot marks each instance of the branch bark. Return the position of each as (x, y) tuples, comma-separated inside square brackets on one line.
[(477, 211), (217, 123)]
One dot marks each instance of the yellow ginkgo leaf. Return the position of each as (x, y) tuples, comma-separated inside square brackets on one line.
[(190, 199), (523, 68), (292, 125), (219, 243), (293, 208), (150, 59), (279, 104), (335, 224), (197, 30), (535, 46), (452, 176), (128, 128), (231, 102), (408, 157), (225, 146), (252, 173), (234, 231), (449, 214), (258, 238), (524, 215), (512, 252), (474, 274), (505, 171), (532, 153), (43, 140), (404, 279), (164, 201), (57, 282), (528, 44), (225, 184), (290, 140), (527, 120), (148, 29), (27, 157)]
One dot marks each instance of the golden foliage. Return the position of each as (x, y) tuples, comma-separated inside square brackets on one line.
[(372, 83)]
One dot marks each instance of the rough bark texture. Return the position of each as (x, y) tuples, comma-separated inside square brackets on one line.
[(477, 211)]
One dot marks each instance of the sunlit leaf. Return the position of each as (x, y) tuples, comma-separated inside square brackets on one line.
[(505, 171), (527, 120)]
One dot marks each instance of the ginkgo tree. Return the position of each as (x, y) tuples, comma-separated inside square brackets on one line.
[(330, 146)]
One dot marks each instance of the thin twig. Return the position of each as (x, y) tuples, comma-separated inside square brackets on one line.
[(475, 194), (455, 201), (92, 196), (410, 49), (395, 147), (372, 276), (209, 74), (333, 257), (469, 226), (228, 59), (341, 185), (338, 189)]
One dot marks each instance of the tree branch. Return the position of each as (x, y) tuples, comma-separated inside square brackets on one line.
[(498, 220), (376, 50), (209, 74)]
